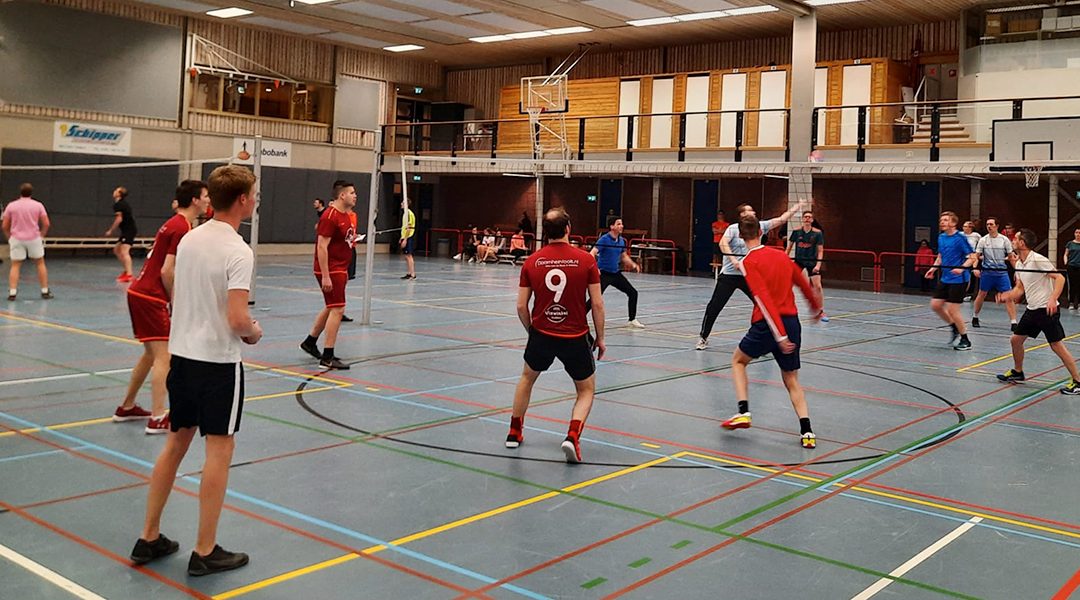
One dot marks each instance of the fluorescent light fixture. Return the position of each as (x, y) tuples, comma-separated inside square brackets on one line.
[(1017, 8), (751, 10), (653, 21), (566, 30), (314, 1), (702, 16), (525, 35), (518, 175), (404, 48), (487, 39), (828, 2), (228, 13)]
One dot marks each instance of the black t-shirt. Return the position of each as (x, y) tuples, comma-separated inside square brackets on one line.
[(127, 221)]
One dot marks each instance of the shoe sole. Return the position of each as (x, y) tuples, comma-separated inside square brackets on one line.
[(1070, 392), (809, 446), (570, 452), (1009, 380), (155, 431), (201, 573), (313, 354), (735, 426), (117, 419), (961, 348), (510, 444), (333, 368)]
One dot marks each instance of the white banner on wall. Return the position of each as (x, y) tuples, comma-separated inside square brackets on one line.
[(86, 138), (274, 153)]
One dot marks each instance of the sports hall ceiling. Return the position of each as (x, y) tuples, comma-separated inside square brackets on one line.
[(444, 27)]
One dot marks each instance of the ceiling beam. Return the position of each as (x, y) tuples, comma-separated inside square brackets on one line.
[(791, 6)]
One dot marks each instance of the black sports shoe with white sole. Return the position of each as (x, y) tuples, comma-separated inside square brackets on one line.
[(217, 561)]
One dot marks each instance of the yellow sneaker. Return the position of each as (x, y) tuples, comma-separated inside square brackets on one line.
[(809, 441), (739, 421)]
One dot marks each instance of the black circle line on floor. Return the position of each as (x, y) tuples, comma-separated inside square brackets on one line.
[(961, 417)]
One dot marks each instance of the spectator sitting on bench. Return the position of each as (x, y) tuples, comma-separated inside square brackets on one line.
[(472, 242), (517, 245), (489, 247)]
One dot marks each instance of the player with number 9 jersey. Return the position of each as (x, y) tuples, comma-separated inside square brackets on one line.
[(559, 276)]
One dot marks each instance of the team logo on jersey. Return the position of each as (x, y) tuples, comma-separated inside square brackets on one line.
[(556, 313)]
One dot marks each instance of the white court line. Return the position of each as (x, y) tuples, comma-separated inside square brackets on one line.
[(48, 575), (918, 558), (67, 376)]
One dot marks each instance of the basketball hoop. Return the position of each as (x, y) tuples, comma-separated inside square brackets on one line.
[(1031, 175)]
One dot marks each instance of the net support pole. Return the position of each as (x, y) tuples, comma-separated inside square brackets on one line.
[(539, 204), (257, 169), (373, 210), (1052, 229)]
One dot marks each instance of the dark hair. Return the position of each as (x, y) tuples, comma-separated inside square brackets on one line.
[(339, 185), (611, 220), (749, 227), (924, 243), (1029, 237), (188, 191), (556, 222), (742, 208), (988, 219), (227, 183), (26, 190), (320, 201), (807, 212), (123, 192)]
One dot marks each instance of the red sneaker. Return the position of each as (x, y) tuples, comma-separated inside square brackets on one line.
[(157, 425), (134, 413), (125, 278), (572, 449), (515, 437)]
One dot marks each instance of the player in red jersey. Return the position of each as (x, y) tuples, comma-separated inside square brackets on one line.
[(559, 275), (148, 303), (333, 253), (774, 325)]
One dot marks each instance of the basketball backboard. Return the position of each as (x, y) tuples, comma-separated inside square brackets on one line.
[(1051, 142)]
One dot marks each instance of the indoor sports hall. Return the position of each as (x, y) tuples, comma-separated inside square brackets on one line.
[(924, 145)]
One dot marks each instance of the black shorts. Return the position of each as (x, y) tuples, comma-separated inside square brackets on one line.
[(759, 341), (1034, 322), (808, 266), (574, 353), (953, 293), (126, 238), (206, 395), (410, 245)]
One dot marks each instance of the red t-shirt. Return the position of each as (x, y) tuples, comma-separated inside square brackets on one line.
[(165, 242), (337, 226), (770, 273), (559, 276), (720, 226)]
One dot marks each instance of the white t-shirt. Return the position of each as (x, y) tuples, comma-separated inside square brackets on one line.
[(738, 246), (973, 238), (210, 261), (994, 250), (1038, 287)]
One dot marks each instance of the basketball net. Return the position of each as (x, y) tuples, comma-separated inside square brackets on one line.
[(1031, 175)]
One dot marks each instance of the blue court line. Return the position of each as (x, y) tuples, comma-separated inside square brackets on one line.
[(288, 512), (36, 454), (1039, 430)]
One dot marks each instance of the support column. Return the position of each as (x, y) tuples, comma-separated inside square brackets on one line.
[(539, 220), (654, 225), (1052, 229), (803, 64), (976, 199)]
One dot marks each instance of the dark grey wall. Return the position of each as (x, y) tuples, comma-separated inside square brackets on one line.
[(80, 202), (285, 211), (60, 57)]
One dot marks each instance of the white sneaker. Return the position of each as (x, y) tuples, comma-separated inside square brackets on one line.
[(702, 344), (636, 324), (457, 257), (472, 260)]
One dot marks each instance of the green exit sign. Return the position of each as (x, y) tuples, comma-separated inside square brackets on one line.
[(592, 197), (418, 90), (416, 177)]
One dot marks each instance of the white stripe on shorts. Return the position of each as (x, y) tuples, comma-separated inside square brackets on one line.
[(236, 398)]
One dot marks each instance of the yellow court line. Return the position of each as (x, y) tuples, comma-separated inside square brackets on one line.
[(1004, 356), (111, 338), (258, 585), (917, 501), (58, 426)]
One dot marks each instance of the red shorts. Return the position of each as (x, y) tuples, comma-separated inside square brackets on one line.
[(149, 317), (335, 297)]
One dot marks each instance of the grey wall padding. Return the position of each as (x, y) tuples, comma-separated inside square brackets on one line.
[(60, 57), (285, 212), (80, 202), (356, 103)]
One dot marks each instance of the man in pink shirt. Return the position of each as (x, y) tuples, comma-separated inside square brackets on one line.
[(25, 224)]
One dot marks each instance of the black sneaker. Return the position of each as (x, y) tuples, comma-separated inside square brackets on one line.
[(346, 319), (975, 322), (407, 276), (217, 561), (145, 551), (1071, 389), (1012, 327), (963, 344), (312, 349), (46, 296), (11, 298), (333, 363), (1010, 376)]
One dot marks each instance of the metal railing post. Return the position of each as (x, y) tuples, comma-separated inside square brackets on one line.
[(581, 139), (682, 137), (630, 139), (935, 133), (494, 137), (813, 127), (739, 118), (860, 153), (787, 135)]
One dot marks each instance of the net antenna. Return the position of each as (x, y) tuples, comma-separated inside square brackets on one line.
[(546, 101), (1031, 175)]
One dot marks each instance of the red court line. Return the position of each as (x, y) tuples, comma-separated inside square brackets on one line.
[(814, 502), (1070, 586), (247, 513)]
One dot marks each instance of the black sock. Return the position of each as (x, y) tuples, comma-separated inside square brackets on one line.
[(955, 329), (744, 406), (311, 341), (804, 425), (327, 353), (963, 338)]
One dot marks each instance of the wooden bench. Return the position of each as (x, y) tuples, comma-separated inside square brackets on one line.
[(76, 244)]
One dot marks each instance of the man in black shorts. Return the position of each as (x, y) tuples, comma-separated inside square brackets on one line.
[(955, 255), (125, 222), (210, 322), (1037, 277), (807, 246), (559, 275)]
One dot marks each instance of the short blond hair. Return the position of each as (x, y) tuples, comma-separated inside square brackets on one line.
[(227, 183)]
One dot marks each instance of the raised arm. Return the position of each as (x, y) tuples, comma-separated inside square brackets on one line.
[(778, 221)]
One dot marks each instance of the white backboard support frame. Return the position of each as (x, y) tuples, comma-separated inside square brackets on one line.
[(1050, 142)]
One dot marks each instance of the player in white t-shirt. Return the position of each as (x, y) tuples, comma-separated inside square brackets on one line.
[(973, 239), (1037, 277), (210, 322)]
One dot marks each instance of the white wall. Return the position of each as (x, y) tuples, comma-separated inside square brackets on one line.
[(697, 99), (629, 104), (1017, 84), (821, 98), (732, 97), (773, 95), (663, 91), (856, 91)]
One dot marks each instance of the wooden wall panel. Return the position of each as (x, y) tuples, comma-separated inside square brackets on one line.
[(730, 54), (895, 42), (86, 115), (482, 88), (624, 63), (716, 82), (643, 126), (389, 67), (240, 125), (753, 100), (137, 12), (678, 96), (591, 97), (305, 60)]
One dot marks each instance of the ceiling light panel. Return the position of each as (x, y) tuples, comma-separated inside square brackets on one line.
[(653, 21), (311, 2), (403, 48), (751, 10), (380, 12), (228, 13), (701, 6), (284, 25), (487, 39), (566, 30), (627, 9), (525, 35), (703, 16), (445, 7), (504, 22)]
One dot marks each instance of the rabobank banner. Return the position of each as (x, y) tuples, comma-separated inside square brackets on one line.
[(274, 153), (86, 138)]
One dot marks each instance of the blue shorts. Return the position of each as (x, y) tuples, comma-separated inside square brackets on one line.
[(410, 244), (995, 281), (759, 341)]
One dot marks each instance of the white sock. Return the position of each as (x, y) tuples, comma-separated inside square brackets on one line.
[(12, 292), (44, 290)]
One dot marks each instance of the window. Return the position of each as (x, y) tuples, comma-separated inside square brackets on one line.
[(263, 98)]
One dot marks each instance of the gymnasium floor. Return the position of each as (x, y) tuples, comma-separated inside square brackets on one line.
[(391, 480)]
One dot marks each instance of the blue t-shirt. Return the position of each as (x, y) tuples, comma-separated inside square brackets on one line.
[(609, 252), (954, 251)]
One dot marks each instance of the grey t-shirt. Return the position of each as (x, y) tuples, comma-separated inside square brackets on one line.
[(994, 250), (738, 246)]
